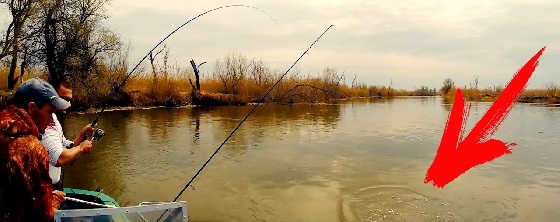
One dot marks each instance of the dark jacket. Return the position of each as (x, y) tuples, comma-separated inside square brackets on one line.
[(25, 187)]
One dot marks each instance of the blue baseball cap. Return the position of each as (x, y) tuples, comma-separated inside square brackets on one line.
[(40, 91)]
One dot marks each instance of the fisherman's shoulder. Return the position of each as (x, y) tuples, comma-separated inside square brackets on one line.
[(29, 146), (15, 122)]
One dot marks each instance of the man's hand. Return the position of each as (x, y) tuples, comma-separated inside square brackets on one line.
[(70, 155), (86, 146), (87, 131), (58, 198)]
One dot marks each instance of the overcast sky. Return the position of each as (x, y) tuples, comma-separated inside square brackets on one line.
[(412, 43)]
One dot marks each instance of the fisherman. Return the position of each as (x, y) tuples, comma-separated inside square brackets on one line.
[(26, 193), (61, 150)]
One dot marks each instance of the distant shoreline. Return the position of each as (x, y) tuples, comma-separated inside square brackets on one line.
[(533, 96), (526, 100)]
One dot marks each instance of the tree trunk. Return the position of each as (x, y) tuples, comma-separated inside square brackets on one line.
[(11, 75), (50, 48), (197, 78), (13, 65), (55, 61), (152, 58), (22, 67)]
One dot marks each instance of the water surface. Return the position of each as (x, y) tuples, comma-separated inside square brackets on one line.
[(362, 160)]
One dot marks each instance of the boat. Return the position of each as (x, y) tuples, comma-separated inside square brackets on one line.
[(94, 206), (88, 196)]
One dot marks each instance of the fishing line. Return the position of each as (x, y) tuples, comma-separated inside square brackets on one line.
[(121, 84), (252, 110)]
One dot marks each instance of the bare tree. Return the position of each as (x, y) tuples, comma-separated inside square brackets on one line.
[(259, 72), (196, 75), (332, 80), (152, 59), (21, 11), (448, 84), (474, 83), (73, 39), (231, 71), (355, 81)]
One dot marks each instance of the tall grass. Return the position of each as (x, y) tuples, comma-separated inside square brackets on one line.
[(221, 89), (31, 73), (549, 95), (235, 80), (161, 90)]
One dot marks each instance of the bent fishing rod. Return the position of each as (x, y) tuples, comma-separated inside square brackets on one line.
[(259, 102), (251, 111), (129, 74)]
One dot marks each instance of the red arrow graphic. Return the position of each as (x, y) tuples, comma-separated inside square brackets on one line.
[(456, 154)]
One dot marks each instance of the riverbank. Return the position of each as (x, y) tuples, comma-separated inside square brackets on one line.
[(234, 80), (550, 95), (135, 97), (149, 93), (163, 89), (179, 90)]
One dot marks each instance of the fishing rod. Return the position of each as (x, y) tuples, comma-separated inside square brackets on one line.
[(88, 203), (129, 74), (251, 111)]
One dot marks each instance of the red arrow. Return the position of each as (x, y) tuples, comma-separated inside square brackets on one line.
[(456, 154)]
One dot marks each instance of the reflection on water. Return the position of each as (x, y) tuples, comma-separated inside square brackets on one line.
[(361, 160)]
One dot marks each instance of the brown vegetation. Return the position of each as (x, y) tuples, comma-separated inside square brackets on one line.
[(549, 95), (234, 81)]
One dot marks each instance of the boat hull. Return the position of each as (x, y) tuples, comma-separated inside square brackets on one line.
[(87, 195)]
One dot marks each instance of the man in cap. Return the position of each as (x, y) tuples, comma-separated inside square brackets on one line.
[(61, 150), (26, 193)]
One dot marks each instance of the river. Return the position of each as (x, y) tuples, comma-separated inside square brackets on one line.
[(359, 160)]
